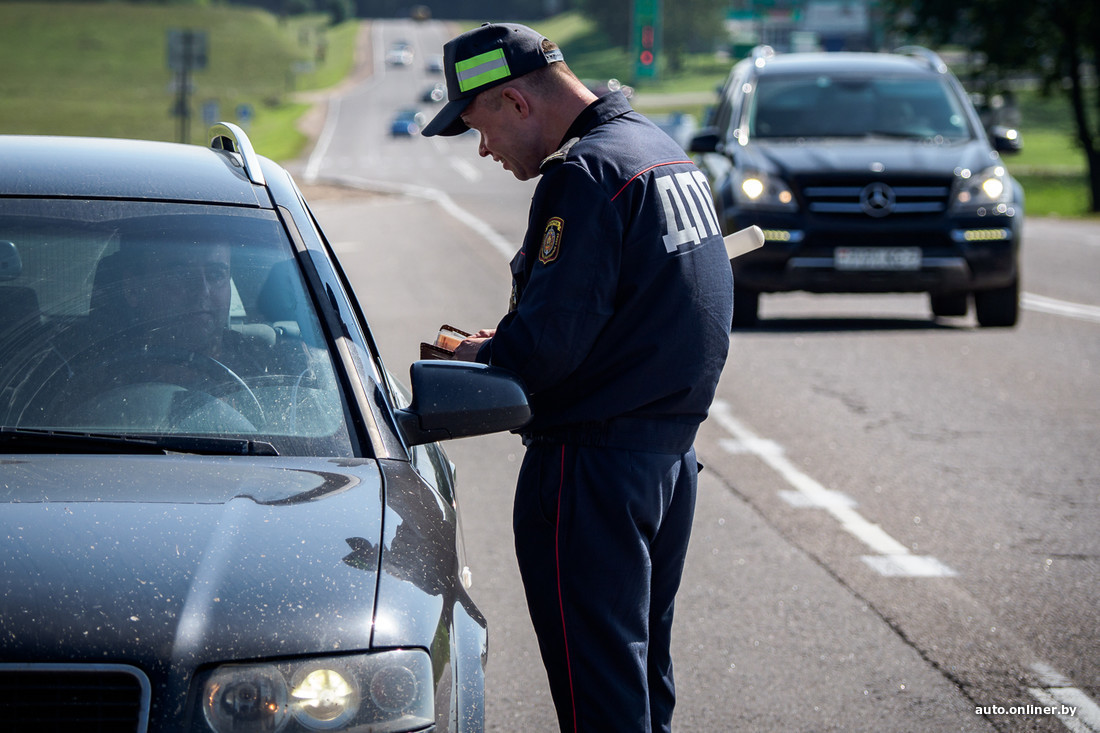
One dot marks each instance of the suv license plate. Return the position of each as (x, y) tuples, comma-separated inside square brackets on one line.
[(877, 258)]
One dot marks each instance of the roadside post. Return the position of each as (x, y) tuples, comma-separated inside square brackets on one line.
[(186, 53)]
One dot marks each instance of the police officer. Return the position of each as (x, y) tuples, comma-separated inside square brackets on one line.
[(619, 325)]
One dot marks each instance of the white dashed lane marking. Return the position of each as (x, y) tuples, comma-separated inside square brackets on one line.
[(1057, 694), (891, 558), (1043, 304), (1071, 705)]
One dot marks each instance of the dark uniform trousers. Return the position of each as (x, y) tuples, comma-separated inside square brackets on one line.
[(601, 536)]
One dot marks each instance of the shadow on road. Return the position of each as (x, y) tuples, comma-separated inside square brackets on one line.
[(838, 324)]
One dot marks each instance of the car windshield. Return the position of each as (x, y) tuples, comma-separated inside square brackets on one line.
[(153, 319), (820, 105)]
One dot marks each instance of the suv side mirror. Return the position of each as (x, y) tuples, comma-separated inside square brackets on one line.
[(706, 141), (1005, 139), (456, 399)]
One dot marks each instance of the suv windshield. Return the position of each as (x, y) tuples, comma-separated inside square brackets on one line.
[(820, 105), (137, 319)]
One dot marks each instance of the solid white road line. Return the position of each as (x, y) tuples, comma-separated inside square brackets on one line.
[(465, 169), (313, 166), (893, 559), (506, 248)]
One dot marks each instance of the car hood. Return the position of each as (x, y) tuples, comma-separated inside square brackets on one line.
[(188, 559), (890, 157)]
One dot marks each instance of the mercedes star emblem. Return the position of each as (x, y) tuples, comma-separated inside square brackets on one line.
[(877, 199)]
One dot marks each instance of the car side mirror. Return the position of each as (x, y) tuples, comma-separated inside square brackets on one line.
[(456, 399), (1005, 139), (706, 141)]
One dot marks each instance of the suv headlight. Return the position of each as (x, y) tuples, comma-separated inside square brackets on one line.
[(763, 191), (989, 191), (388, 692)]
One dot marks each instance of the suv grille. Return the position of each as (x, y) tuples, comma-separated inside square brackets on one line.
[(877, 198), (92, 698)]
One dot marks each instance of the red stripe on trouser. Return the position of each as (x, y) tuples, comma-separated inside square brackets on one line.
[(561, 599)]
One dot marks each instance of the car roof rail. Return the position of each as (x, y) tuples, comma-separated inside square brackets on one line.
[(760, 54), (227, 136), (928, 55)]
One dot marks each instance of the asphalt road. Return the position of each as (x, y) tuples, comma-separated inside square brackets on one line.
[(898, 525)]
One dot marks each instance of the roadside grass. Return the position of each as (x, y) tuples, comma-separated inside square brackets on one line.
[(1053, 194), (1052, 170), (1051, 167), (100, 69)]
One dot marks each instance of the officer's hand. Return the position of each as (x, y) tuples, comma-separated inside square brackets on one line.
[(467, 350)]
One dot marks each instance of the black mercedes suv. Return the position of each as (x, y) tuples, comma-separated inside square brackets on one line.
[(868, 173)]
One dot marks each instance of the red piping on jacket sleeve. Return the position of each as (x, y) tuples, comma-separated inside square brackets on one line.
[(647, 170)]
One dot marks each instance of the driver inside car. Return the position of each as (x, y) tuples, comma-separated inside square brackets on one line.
[(170, 360), (177, 298), (177, 324), (158, 354)]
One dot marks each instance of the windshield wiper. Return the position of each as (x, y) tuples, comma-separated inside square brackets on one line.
[(902, 135), (33, 440), (894, 133)]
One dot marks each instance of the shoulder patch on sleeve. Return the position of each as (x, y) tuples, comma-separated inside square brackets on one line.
[(551, 240)]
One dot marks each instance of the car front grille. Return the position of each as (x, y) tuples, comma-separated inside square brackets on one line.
[(91, 698), (877, 198)]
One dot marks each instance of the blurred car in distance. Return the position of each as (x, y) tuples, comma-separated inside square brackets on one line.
[(868, 173), (399, 54), (435, 93), (219, 510), (407, 123), (434, 64)]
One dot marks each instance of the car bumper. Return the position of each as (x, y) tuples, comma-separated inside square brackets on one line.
[(965, 255)]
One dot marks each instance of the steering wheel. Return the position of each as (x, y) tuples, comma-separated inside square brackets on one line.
[(156, 386)]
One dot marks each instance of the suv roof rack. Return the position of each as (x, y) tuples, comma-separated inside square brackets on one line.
[(227, 136), (928, 55)]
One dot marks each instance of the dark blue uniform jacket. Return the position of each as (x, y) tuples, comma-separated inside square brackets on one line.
[(622, 292)]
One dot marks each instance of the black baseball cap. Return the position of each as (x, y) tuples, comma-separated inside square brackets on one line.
[(482, 59)]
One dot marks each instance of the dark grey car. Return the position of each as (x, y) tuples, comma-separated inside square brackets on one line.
[(218, 510)]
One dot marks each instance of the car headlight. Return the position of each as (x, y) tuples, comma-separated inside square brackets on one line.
[(988, 191), (387, 692), (763, 191)]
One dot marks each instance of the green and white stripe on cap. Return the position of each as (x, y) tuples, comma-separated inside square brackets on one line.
[(482, 69)]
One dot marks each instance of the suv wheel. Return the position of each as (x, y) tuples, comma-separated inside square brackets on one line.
[(999, 307), (952, 304), (746, 306)]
